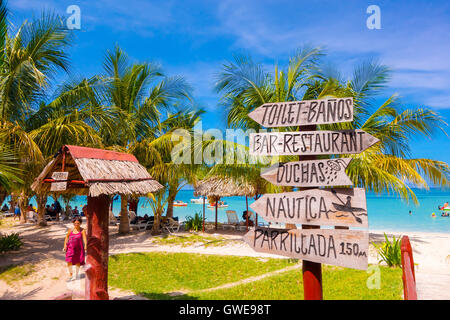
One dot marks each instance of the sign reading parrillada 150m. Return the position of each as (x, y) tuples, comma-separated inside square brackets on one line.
[(302, 113)]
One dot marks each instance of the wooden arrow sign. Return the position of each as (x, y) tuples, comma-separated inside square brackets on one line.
[(346, 248), (332, 207), (311, 173), (303, 113), (310, 142)]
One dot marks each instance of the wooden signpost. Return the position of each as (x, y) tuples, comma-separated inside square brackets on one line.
[(333, 207), (312, 173), (61, 178), (345, 248), (339, 207), (310, 142), (302, 113)]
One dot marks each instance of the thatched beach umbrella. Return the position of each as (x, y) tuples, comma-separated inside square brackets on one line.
[(98, 174), (218, 187)]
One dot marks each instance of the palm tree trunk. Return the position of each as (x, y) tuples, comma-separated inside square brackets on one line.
[(3, 195), (124, 226), (41, 200), (171, 198), (23, 206), (156, 222)]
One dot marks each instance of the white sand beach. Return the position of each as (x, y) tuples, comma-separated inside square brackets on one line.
[(43, 248)]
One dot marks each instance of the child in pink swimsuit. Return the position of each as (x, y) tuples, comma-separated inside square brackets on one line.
[(74, 245)]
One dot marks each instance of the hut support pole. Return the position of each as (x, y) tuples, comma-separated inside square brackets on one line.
[(203, 225), (97, 248), (246, 220), (217, 203)]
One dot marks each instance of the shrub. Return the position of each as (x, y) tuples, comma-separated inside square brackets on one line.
[(194, 223), (10, 242), (390, 252)]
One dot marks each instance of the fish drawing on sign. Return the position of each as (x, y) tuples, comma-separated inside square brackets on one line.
[(347, 207)]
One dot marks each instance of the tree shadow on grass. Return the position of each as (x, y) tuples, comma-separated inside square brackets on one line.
[(167, 296)]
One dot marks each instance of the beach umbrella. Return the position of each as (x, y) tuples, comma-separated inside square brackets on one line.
[(216, 187)]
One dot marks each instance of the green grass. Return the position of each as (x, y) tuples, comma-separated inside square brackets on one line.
[(338, 284), (13, 273), (191, 239), (154, 275)]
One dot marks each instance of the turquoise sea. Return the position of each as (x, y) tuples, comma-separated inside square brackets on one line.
[(385, 212)]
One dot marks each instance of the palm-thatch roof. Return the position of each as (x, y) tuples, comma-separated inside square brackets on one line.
[(97, 172), (224, 187)]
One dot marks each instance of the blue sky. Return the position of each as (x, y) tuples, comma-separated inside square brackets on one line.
[(194, 38)]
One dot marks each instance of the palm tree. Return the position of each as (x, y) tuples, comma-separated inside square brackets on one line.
[(387, 166), (137, 92)]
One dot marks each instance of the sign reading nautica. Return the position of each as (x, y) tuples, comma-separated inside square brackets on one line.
[(332, 207)]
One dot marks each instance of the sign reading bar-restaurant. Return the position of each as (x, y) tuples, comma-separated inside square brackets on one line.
[(61, 181), (332, 207), (346, 248), (310, 142), (306, 112)]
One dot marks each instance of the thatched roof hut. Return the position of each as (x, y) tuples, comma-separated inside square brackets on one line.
[(224, 187), (97, 172)]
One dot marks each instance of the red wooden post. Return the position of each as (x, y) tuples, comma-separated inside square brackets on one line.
[(97, 248), (409, 277), (312, 276), (312, 271)]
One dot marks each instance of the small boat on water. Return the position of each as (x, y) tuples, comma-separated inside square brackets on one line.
[(179, 203), (197, 201), (221, 205)]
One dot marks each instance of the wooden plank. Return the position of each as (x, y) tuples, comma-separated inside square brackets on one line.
[(345, 248), (311, 173), (310, 142), (60, 175), (303, 113), (332, 207)]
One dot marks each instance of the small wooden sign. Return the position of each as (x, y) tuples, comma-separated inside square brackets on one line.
[(332, 207), (345, 248), (303, 113), (62, 177), (310, 142), (310, 173), (58, 186)]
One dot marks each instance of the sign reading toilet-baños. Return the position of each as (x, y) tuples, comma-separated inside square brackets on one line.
[(302, 113), (344, 207)]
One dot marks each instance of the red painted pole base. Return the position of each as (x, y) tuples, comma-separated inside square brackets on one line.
[(312, 276), (97, 248)]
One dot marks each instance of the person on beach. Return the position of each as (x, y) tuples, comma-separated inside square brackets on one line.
[(75, 211), (75, 244), (16, 212), (57, 209), (410, 213), (84, 211)]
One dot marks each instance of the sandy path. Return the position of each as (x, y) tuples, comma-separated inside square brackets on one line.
[(43, 248)]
